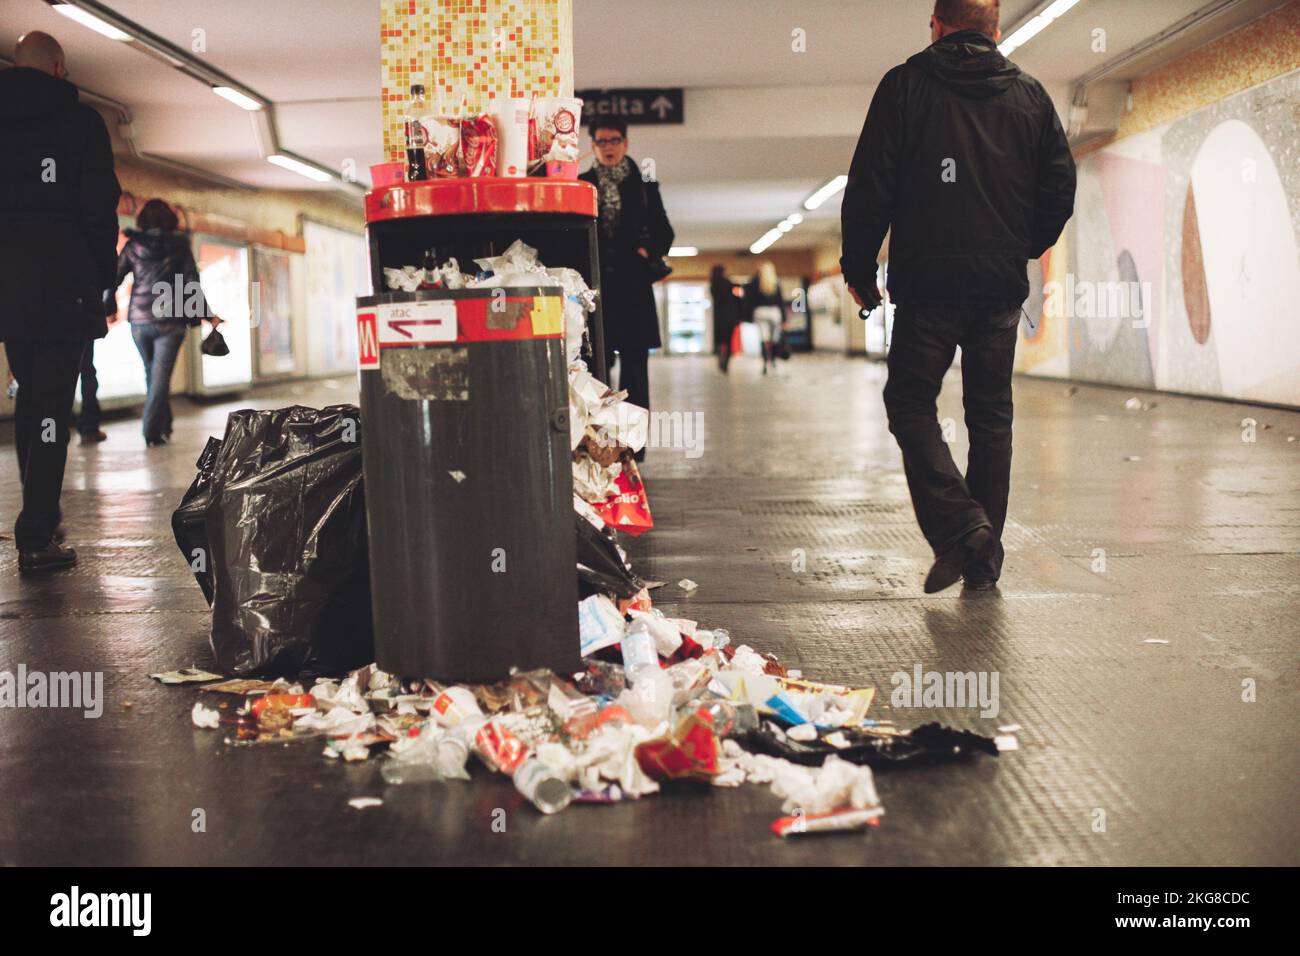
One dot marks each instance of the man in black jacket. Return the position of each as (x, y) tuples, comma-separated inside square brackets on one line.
[(58, 256), (963, 159)]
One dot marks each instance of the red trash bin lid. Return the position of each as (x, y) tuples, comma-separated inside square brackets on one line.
[(481, 194)]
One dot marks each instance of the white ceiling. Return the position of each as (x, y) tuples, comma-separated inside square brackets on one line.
[(765, 125)]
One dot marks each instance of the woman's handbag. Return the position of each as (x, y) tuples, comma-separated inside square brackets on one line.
[(215, 344), (657, 268)]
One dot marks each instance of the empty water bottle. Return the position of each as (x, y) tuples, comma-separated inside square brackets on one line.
[(639, 652)]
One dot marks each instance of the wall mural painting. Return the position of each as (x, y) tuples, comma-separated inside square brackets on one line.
[(1180, 269)]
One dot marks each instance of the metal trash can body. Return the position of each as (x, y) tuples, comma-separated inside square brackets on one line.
[(469, 486)]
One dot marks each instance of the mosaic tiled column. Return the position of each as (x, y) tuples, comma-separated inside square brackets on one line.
[(473, 50)]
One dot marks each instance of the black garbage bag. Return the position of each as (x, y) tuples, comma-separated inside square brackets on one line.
[(286, 533), (931, 743), (600, 566), (187, 519)]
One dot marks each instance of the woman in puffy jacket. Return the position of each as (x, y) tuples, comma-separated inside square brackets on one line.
[(166, 299)]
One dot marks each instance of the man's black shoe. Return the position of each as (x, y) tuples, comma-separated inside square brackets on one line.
[(93, 438), (949, 566), (52, 557), (980, 584)]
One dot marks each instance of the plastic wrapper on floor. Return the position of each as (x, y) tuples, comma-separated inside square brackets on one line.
[(931, 743)]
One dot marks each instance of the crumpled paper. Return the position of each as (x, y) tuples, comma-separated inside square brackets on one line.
[(835, 785), (205, 717), (610, 755)]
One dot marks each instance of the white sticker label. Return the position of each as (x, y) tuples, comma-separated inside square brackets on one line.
[(417, 323)]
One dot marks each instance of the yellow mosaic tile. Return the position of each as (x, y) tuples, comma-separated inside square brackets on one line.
[(471, 50)]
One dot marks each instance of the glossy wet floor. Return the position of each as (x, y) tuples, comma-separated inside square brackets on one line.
[(785, 501)]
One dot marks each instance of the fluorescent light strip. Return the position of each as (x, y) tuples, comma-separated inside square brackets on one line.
[(794, 218), (769, 237), (683, 252), (825, 193), (1054, 11), (299, 167), (87, 19), (241, 100), (1057, 9)]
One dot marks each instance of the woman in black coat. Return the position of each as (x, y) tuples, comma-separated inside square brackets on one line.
[(166, 299), (633, 232), (726, 313)]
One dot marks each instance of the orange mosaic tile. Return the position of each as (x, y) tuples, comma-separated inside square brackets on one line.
[(475, 51)]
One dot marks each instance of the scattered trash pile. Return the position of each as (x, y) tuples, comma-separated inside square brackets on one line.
[(661, 702), (633, 722)]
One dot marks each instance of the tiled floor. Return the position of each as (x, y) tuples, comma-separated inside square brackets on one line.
[(794, 520)]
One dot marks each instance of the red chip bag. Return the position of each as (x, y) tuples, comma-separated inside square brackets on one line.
[(690, 752), (629, 509)]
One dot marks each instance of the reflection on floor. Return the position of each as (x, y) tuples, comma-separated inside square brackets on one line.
[(1126, 526)]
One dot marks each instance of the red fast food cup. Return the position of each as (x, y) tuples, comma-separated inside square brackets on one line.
[(387, 174)]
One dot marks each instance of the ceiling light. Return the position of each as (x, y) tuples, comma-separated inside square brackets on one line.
[(794, 218), (825, 193), (239, 99), (1058, 8), (299, 167), (1037, 25), (769, 237), (682, 252), (87, 19), (1026, 33), (785, 226)]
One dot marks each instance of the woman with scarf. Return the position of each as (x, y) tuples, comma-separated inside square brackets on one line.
[(634, 235)]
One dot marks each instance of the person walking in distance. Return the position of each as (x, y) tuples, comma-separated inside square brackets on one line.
[(963, 159), (765, 307), (58, 252), (91, 413), (157, 256), (725, 296)]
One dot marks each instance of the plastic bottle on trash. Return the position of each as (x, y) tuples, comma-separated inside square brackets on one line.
[(417, 138), (721, 638), (639, 652), (455, 746), (544, 788), (730, 718)]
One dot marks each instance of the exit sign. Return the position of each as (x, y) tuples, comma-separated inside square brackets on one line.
[(640, 105)]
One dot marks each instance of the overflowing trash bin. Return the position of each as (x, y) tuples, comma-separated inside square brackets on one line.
[(469, 486)]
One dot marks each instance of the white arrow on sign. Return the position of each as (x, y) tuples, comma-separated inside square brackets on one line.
[(662, 105), (415, 323)]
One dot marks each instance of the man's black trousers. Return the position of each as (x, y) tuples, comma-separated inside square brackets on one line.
[(47, 375), (949, 504)]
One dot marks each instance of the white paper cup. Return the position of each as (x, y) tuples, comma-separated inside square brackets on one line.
[(512, 137)]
